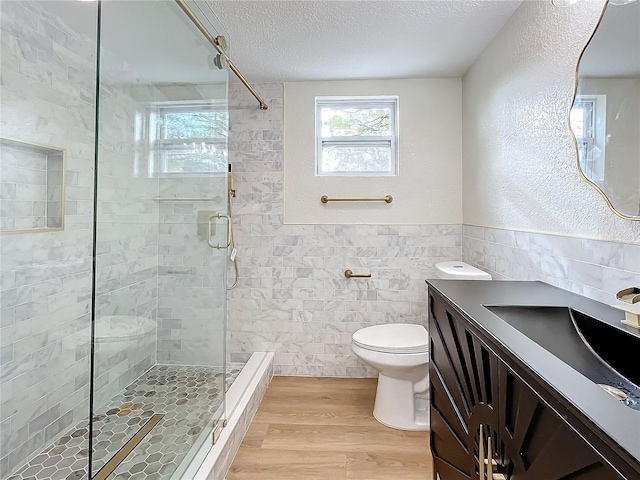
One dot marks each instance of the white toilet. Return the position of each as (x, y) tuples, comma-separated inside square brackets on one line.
[(460, 271), (400, 354)]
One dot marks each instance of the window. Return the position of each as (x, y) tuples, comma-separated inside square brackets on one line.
[(186, 138), (356, 136), (588, 122)]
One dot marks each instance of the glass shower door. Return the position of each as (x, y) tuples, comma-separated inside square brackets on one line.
[(161, 234)]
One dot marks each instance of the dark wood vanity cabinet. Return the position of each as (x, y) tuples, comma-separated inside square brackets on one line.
[(482, 409)]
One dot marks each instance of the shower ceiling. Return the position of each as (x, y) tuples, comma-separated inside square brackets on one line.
[(300, 40), (176, 46)]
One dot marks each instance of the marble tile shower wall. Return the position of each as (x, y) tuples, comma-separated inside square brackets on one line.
[(47, 97), (191, 286), (191, 289), (292, 296), (23, 183), (127, 242), (593, 268)]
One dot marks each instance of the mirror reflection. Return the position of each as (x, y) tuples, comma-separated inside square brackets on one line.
[(605, 117)]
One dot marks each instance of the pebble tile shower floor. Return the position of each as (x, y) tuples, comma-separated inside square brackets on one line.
[(187, 396)]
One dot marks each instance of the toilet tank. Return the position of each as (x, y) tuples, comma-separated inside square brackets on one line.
[(460, 271)]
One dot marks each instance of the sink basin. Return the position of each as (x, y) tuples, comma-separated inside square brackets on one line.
[(601, 352)]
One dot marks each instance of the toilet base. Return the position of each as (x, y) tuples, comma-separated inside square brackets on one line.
[(402, 404)]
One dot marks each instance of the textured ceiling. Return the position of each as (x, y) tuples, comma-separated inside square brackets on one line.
[(273, 40)]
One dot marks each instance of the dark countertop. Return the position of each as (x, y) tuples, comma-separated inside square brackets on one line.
[(618, 422)]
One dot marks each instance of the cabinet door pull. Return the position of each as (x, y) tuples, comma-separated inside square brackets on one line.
[(492, 463), (481, 457), (489, 456)]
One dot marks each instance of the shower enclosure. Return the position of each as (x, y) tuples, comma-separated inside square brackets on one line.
[(113, 214)]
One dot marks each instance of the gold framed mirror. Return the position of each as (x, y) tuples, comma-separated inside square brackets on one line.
[(605, 116)]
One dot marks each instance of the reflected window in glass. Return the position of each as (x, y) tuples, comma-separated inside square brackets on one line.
[(588, 123), (186, 138)]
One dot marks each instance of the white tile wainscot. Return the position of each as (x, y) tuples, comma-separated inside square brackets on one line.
[(594, 268)]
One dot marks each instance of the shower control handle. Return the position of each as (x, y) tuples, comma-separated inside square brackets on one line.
[(212, 218)]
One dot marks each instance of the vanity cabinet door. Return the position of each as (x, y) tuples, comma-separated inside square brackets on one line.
[(535, 442), (476, 395), (464, 378)]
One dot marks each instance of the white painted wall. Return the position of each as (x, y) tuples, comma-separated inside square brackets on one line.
[(520, 167), (428, 189)]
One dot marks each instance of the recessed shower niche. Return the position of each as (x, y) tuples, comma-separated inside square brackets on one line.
[(31, 187)]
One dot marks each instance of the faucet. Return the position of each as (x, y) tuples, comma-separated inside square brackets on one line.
[(631, 306)]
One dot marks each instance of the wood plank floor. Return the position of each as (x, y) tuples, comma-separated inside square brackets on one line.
[(323, 428)]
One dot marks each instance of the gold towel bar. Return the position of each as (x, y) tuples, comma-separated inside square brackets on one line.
[(187, 199), (386, 198), (350, 274)]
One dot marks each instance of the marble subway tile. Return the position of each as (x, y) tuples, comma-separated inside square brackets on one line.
[(501, 237), (593, 268), (631, 257), (607, 254), (614, 280), (585, 273)]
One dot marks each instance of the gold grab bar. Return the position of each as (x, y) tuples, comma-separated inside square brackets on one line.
[(214, 41), (187, 199), (350, 274), (386, 198)]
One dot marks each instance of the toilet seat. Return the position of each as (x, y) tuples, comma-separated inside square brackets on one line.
[(393, 338)]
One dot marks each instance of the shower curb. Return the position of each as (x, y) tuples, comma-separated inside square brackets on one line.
[(243, 400)]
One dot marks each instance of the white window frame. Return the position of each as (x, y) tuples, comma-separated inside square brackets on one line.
[(150, 132), (391, 141)]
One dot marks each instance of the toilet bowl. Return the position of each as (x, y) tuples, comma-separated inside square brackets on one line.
[(400, 354)]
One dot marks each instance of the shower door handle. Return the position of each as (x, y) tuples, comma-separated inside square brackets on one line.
[(212, 218)]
